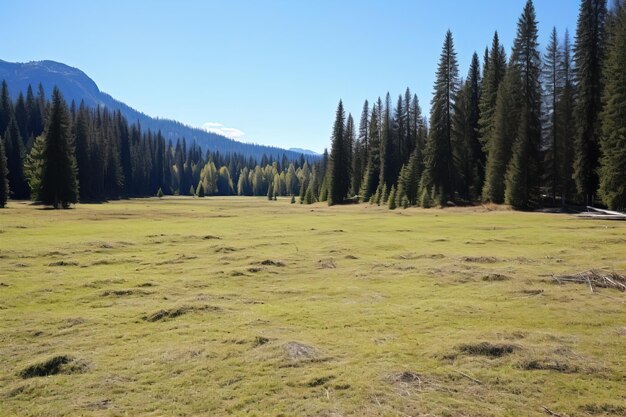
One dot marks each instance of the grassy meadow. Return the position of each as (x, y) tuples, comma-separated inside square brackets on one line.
[(247, 307)]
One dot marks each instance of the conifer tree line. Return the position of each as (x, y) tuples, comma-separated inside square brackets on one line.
[(58, 154), (528, 129)]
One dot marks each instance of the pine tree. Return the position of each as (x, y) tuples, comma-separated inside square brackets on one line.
[(348, 142), (4, 182), (159, 193), (466, 147), (438, 170), (493, 74), (384, 194), (360, 153), (501, 140), (339, 164), (565, 123), (612, 170), (387, 145), (371, 176), (589, 57), (553, 87), (6, 107), (59, 186), (199, 190), (522, 178), (16, 154), (392, 198)]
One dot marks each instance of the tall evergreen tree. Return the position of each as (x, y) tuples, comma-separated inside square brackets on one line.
[(339, 163), (437, 179), (16, 155), (565, 123), (4, 182), (613, 140), (505, 123), (522, 179), (371, 176), (589, 57), (349, 140), (467, 149), (493, 74), (553, 85), (387, 148), (6, 107), (59, 186)]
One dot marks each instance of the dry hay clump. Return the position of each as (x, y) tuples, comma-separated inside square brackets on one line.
[(327, 263), (298, 352), (480, 259), (271, 262), (488, 349), (60, 364), (595, 279), (176, 312), (406, 381), (496, 277)]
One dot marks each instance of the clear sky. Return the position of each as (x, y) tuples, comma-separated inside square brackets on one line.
[(269, 71)]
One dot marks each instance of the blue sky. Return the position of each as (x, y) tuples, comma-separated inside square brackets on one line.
[(270, 71)]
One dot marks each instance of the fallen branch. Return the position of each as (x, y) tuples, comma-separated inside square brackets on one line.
[(595, 279), (468, 377), (550, 412)]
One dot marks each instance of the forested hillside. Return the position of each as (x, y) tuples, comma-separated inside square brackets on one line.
[(76, 86)]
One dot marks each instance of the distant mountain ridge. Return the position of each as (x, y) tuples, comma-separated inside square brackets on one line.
[(76, 85)]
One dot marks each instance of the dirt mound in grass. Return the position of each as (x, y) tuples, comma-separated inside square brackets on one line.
[(176, 312), (327, 263), (487, 349), (406, 381), (480, 259), (298, 352), (496, 277), (271, 262), (60, 364), (548, 364)]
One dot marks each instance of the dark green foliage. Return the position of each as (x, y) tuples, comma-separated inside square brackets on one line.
[(613, 140), (438, 171), (392, 198), (501, 140), (4, 182), (59, 185), (371, 176), (6, 107), (553, 85), (466, 147), (348, 142), (339, 163), (565, 125), (16, 155), (360, 151), (589, 58), (160, 192), (522, 178), (384, 194), (493, 74)]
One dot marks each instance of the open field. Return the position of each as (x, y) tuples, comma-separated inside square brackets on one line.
[(242, 306)]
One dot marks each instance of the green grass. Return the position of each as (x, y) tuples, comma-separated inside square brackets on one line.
[(168, 307)]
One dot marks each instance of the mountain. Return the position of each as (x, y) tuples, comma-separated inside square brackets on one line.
[(304, 151), (76, 85)]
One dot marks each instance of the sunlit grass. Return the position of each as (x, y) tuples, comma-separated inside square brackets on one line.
[(169, 307)]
